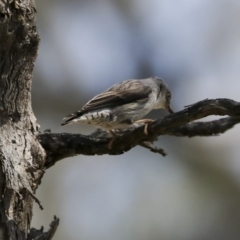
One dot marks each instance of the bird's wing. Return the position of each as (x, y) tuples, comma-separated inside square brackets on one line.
[(119, 94)]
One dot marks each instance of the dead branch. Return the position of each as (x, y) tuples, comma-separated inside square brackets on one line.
[(62, 145)]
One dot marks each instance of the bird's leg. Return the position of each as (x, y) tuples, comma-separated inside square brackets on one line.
[(113, 139), (146, 122), (145, 131)]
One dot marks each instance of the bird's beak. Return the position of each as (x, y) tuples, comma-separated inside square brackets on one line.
[(169, 109)]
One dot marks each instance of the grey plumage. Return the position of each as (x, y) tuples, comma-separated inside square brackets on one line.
[(123, 104)]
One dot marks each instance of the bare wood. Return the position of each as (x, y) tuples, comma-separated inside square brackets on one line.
[(40, 235), (62, 145), (21, 156)]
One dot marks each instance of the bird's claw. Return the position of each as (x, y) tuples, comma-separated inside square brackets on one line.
[(146, 122)]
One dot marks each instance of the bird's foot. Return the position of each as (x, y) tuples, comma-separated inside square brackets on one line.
[(146, 122), (113, 139)]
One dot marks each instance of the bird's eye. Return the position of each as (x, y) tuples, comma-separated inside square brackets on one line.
[(160, 86), (168, 96)]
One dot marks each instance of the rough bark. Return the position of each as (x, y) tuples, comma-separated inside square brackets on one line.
[(62, 145), (21, 156)]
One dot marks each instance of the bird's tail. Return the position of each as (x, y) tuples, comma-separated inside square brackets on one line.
[(71, 117)]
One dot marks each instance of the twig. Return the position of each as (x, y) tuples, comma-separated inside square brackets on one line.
[(36, 234), (153, 148)]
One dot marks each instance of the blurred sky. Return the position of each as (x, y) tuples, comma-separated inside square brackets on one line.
[(86, 46)]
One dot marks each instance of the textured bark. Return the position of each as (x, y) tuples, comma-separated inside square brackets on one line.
[(62, 145), (21, 156)]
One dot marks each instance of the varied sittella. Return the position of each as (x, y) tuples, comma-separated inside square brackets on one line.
[(124, 104)]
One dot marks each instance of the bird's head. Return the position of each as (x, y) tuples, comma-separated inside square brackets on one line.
[(164, 95), (168, 101)]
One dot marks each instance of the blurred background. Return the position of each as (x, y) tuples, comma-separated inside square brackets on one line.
[(86, 46)]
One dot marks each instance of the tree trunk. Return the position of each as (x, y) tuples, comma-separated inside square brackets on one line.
[(21, 156)]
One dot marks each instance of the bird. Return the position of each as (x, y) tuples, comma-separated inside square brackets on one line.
[(124, 104)]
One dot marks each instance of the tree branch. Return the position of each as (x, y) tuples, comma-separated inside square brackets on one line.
[(40, 235), (62, 145), (212, 128)]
